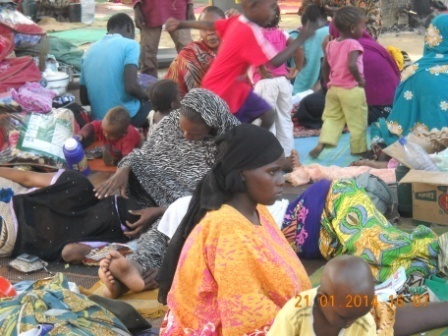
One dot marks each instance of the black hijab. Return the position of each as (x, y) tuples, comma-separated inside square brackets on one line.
[(245, 147)]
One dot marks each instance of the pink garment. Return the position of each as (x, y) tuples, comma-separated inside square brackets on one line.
[(278, 38), (34, 98), (337, 56), (315, 172)]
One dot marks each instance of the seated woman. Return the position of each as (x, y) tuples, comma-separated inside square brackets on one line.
[(421, 100), (193, 61), (382, 78), (179, 152), (60, 219), (234, 259)]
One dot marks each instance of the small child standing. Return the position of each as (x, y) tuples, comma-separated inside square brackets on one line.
[(273, 85), (342, 69), (243, 46), (115, 133), (165, 97)]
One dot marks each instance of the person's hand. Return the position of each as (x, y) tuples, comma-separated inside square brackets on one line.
[(308, 30), (78, 137), (139, 18), (292, 73), (190, 13), (232, 12), (171, 24), (147, 217), (117, 182), (362, 83), (264, 72)]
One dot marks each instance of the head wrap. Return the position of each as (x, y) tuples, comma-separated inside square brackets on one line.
[(245, 147), (168, 166), (436, 38), (211, 107)]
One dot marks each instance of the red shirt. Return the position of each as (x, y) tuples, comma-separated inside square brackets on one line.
[(242, 46), (121, 147), (156, 12)]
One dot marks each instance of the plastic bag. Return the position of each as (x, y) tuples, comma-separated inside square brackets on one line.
[(440, 159), (35, 139), (32, 97), (11, 19), (28, 266)]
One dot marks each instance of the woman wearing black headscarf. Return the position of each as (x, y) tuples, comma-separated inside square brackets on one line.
[(228, 258)]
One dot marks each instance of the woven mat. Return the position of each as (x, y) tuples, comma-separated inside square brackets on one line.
[(85, 276)]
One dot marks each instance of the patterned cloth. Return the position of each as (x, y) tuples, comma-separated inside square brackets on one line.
[(352, 225), (50, 302), (421, 100), (301, 222), (8, 230), (232, 277), (168, 166), (190, 66), (372, 9)]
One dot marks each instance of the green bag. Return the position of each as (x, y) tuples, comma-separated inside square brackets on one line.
[(438, 286)]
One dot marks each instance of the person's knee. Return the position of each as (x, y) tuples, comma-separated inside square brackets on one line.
[(267, 119)]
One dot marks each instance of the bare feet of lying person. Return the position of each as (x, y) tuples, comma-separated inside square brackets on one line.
[(369, 163), (75, 253), (114, 288), (128, 274), (292, 162), (317, 150), (295, 160)]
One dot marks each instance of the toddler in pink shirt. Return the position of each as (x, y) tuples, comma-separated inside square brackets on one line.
[(343, 70), (274, 86)]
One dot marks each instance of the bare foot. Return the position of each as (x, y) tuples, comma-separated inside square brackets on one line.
[(75, 253), (317, 150), (295, 160), (125, 271), (114, 288), (369, 163)]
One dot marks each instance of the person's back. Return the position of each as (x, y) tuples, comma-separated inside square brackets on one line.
[(102, 72), (278, 38), (343, 70), (337, 55), (242, 46), (313, 53)]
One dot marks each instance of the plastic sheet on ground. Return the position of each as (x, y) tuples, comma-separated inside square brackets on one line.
[(34, 138)]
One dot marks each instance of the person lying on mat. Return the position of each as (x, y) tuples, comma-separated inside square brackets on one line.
[(330, 218), (59, 219), (345, 303)]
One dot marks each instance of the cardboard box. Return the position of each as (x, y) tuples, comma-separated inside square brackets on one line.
[(429, 195)]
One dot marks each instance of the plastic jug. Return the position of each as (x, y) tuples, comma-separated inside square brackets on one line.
[(417, 156), (87, 11), (75, 157)]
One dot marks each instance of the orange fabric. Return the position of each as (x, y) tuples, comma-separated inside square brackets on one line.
[(232, 277), (98, 164)]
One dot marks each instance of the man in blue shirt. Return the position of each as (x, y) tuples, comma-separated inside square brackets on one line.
[(109, 73)]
